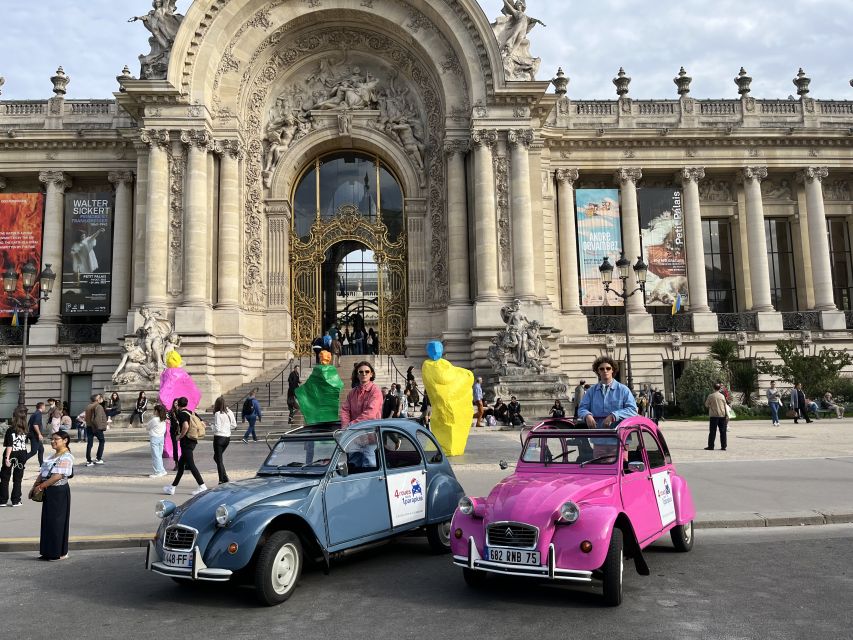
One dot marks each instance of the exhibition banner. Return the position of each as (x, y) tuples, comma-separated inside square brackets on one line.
[(662, 231), (87, 262), (21, 221), (599, 235)]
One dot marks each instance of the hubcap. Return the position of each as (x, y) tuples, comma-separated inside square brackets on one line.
[(688, 532), (444, 533), (284, 568)]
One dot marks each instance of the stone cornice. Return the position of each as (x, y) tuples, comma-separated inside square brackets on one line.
[(622, 138)]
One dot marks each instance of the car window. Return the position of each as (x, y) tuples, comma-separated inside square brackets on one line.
[(665, 448), (433, 454), (400, 451), (313, 454), (632, 446), (361, 454), (575, 450), (656, 458)]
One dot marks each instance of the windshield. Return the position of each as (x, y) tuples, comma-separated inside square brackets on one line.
[(294, 454), (578, 450)]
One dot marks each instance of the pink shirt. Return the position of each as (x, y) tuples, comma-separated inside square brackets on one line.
[(362, 403)]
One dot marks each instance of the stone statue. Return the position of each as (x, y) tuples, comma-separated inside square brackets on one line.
[(163, 21), (352, 93), (519, 346), (134, 366), (511, 31), (279, 140), (145, 352)]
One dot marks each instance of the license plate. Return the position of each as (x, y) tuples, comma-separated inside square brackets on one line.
[(178, 559), (514, 556)]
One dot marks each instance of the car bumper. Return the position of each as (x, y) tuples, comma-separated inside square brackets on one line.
[(549, 571), (199, 571)]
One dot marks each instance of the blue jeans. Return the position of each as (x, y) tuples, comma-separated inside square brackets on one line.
[(251, 430), (774, 411), (157, 454)]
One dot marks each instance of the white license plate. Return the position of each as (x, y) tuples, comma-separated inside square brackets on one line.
[(514, 556), (178, 559)]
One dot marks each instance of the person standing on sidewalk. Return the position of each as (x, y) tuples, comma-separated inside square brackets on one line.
[(251, 414), (52, 480), (718, 414), (96, 424), (798, 403), (188, 444), (14, 458), (774, 401), (292, 385), (156, 437), (478, 401), (35, 430), (223, 422), (657, 406)]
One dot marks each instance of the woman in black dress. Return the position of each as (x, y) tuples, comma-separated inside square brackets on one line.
[(52, 480)]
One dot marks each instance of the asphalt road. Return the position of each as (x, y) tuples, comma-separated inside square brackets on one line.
[(736, 584)]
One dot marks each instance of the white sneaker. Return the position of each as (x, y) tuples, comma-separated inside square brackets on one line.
[(169, 490), (201, 489), (99, 462), (90, 464), (156, 475)]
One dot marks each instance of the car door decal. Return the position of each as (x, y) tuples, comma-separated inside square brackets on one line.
[(406, 496), (665, 499)]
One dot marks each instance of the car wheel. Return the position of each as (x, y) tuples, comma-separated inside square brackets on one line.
[(474, 578), (438, 536), (613, 568), (278, 568), (682, 537)]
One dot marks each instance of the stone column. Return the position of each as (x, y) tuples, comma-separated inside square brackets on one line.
[(568, 248), (812, 178), (627, 179), (523, 270), (157, 223), (139, 211), (122, 243), (759, 272), (457, 223), (697, 286), (54, 225), (485, 223), (196, 223), (228, 292)]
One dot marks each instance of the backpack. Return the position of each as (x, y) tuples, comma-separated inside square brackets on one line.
[(657, 398), (197, 427), (248, 407)]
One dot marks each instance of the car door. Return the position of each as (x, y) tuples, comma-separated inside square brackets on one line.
[(638, 495), (407, 479), (356, 504), (661, 478)]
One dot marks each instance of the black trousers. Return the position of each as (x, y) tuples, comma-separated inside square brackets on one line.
[(220, 444), (91, 434), (36, 448), (15, 473), (801, 413), (55, 521), (718, 423), (187, 462)]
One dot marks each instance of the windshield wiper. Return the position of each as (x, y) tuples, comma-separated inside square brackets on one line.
[(596, 459), (290, 464)]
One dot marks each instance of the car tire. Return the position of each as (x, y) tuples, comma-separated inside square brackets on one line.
[(613, 570), (474, 578), (682, 537), (278, 567), (438, 536)]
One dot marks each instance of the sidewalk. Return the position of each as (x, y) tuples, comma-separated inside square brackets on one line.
[(793, 474)]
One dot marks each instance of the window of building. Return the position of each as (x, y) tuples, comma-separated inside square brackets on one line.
[(840, 261), (719, 266), (8, 396), (780, 258)]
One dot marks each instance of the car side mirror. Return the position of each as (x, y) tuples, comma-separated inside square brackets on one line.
[(342, 469), (636, 467), (503, 464)]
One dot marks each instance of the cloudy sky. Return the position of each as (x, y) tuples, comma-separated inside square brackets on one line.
[(92, 40)]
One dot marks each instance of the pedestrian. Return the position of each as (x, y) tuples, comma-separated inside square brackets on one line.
[(774, 401), (174, 432), (370, 341), (65, 421), (410, 376), (317, 347), (80, 423), (402, 402), (251, 414), (376, 343), (336, 351), (96, 424), (643, 401), (426, 410), (365, 401), (828, 404), (607, 402), (478, 402), (718, 412), (52, 484), (35, 430), (188, 441), (414, 396), (54, 420), (389, 402), (580, 390), (292, 385), (156, 438), (345, 342), (657, 406), (513, 412), (798, 403), (139, 409), (14, 457), (355, 382), (113, 407), (223, 422), (500, 411), (557, 410)]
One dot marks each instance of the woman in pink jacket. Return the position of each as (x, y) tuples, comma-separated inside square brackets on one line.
[(364, 402)]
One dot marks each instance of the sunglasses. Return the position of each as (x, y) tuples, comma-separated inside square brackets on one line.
[(365, 372), (605, 368)]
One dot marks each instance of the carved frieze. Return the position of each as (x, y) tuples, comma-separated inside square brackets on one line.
[(501, 172), (716, 190), (777, 189), (175, 276), (836, 190)]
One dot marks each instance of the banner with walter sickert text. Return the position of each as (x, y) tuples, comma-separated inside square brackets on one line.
[(21, 222), (599, 235), (87, 257), (662, 231)]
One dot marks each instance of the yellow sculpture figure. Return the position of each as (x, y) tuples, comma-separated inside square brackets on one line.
[(451, 395)]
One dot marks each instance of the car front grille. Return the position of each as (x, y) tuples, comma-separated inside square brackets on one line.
[(512, 534), (179, 538)]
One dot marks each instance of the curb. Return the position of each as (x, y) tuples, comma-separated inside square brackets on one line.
[(81, 543)]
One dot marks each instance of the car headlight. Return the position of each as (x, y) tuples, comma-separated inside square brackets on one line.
[(164, 508), (466, 505), (224, 515), (569, 512)]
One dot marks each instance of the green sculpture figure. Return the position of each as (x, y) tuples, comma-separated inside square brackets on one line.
[(319, 398)]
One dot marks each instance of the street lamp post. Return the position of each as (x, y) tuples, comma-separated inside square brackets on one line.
[(27, 303), (641, 270)]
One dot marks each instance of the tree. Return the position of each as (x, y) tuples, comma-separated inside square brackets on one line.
[(725, 352), (695, 384), (817, 373), (744, 379)]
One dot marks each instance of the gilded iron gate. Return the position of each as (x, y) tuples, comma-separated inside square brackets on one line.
[(306, 257)]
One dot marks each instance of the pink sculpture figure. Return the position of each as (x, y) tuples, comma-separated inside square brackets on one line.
[(175, 382)]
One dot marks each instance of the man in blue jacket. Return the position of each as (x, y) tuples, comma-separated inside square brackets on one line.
[(609, 401)]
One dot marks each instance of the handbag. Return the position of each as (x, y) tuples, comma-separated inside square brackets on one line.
[(730, 412), (791, 413)]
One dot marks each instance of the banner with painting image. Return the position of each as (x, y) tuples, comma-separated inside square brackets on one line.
[(599, 235), (21, 223), (664, 249), (87, 254)]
